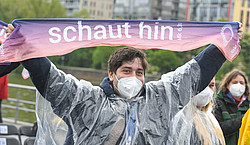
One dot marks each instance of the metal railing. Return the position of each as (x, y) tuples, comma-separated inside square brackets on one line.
[(18, 100)]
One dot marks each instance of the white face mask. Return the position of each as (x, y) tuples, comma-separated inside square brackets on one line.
[(128, 87), (204, 97), (237, 90)]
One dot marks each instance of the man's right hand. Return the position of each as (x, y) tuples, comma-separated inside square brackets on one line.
[(9, 29), (5, 69)]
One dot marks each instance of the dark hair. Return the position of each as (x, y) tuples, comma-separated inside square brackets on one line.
[(228, 78), (126, 54)]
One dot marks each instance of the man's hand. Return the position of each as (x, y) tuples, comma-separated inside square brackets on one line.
[(9, 29), (240, 30)]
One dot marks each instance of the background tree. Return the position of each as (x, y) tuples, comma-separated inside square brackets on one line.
[(81, 14), (165, 60), (78, 58), (245, 53), (101, 56)]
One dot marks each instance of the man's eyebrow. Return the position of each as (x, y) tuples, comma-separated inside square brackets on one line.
[(126, 67)]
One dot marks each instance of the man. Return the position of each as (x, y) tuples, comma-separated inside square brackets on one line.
[(124, 109)]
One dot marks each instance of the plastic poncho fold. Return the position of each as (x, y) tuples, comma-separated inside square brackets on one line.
[(91, 112), (192, 126)]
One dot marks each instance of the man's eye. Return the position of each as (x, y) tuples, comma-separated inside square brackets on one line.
[(140, 73), (127, 71)]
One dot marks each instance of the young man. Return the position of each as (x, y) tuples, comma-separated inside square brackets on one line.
[(124, 109)]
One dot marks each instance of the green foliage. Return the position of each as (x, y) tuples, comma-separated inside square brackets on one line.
[(81, 14), (222, 20), (228, 66), (165, 60), (14, 9), (57, 60), (188, 55), (245, 53), (101, 56), (78, 58)]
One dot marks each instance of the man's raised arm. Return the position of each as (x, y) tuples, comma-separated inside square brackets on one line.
[(39, 70), (210, 61), (38, 67), (5, 69)]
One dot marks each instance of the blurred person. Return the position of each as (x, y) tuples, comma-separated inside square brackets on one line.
[(195, 124), (231, 103), (244, 135), (3, 93), (124, 109)]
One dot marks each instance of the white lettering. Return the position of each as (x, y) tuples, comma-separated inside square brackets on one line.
[(179, 29), (170, 36), (55, 35), (70, 33), (179, 36), (234, 49), (225, 40), (126, 26), (2, 32), (141, 27), (1, 50), (111, 34), (65, 34), (80, 28), (156, 31), (102, 31)]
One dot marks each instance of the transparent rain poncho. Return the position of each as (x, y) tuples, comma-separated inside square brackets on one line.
[(92, 112), (52, 130), (192, 126)]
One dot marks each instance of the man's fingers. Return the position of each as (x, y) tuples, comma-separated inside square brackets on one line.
[(10, 26), (9, 29), (8, 34)]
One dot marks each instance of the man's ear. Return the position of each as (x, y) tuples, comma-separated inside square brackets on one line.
[(111, 75)]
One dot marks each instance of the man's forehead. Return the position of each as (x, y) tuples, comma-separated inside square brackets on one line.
[(135, 63)]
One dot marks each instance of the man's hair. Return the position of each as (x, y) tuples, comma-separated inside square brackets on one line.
[(228, 78), (126, 54)]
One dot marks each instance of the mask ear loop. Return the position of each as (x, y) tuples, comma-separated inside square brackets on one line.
[(116, 87)]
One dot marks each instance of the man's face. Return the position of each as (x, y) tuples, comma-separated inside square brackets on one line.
[(128, 69)]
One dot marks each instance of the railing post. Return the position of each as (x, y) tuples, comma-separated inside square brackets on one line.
[(17, 105)]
